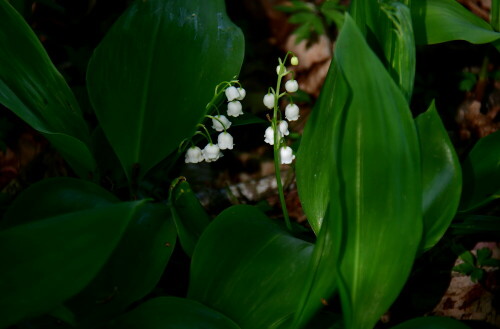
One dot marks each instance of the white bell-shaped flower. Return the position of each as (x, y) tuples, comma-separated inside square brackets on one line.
[(283, 126), (211, 152), (294, 61), (232, 93), (269, 136), (225, 141), (286, 155), (291, 112), (269, 100), (221, 123), (234, 109), (292, 86), (194, 155), (242, 93)]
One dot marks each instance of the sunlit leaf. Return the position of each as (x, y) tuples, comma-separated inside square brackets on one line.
[(249, 269), (154, 73), (32, 88), (441, 177)]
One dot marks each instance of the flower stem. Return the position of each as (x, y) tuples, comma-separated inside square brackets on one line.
[(277, 160)]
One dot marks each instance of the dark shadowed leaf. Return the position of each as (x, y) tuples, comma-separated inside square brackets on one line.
[(431, 322), (248, 268), (154, 73), (32, 88)]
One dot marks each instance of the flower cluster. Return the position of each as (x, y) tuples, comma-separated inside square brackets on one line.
[(291, 112), (220, 123)]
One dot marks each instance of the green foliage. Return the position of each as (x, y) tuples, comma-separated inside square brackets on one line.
[(441, 177), (32, 88), (481, 170), (153, 74), (313, 20), (473, 265), (432, 322), (172, 313), (249, 269)]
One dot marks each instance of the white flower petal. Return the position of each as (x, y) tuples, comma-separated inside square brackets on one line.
[(291, 112), (219, 125), (211, 152), (283, 126), (225, 141), (242, 93), (286, 155), (232, 93), (234, 109), (269, 100), (194, 155)]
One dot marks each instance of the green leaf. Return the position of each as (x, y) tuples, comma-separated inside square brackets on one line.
[(464, 268), (47, 261), (155, 71), (482, 255), (437, 21), (475, 224), (301, 18), (477, 274), (468, 257), (441, 177), (32, 88), (481, 173), (431, 322), (172, 313), (374, 158), (248, 268), (55, 196), (333, 13), (491, 262), (189, 216), (134, 268), (323, 269)]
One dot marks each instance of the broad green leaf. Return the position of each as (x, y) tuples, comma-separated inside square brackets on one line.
[(323, 270), (477, 274), (431, 322), (387, 26), (378, 192), (481, 173), (47, 261), (134, 268), (172, 313), (189, 216), (468, 257), (441, 177), (152, 76), (437, 21), (464, 268), (248, 268), (482, 255), (55, 196), (32, 88)]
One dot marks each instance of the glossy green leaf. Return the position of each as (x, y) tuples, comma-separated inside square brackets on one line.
[(431, 322), (172, 313), (55, 196), (441, 177), (134, 268), (154, 73), (387, 26), (190, 217), (32, 88), (248, 268), (374, 160), (47, 261), (323, 270), (481, 173), (436, 21)]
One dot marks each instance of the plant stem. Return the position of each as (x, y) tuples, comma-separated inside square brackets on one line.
[(277, 160)]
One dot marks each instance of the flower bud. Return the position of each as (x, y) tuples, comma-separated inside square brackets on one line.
[(286, 155), (234, 109), (283, 126), (220, 124), (225, 141), (291, 112), (194, 155), (211, 152), (292, 86), (242, 93), (294, 61), (269, 101), (232, 93), (278, 69)]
